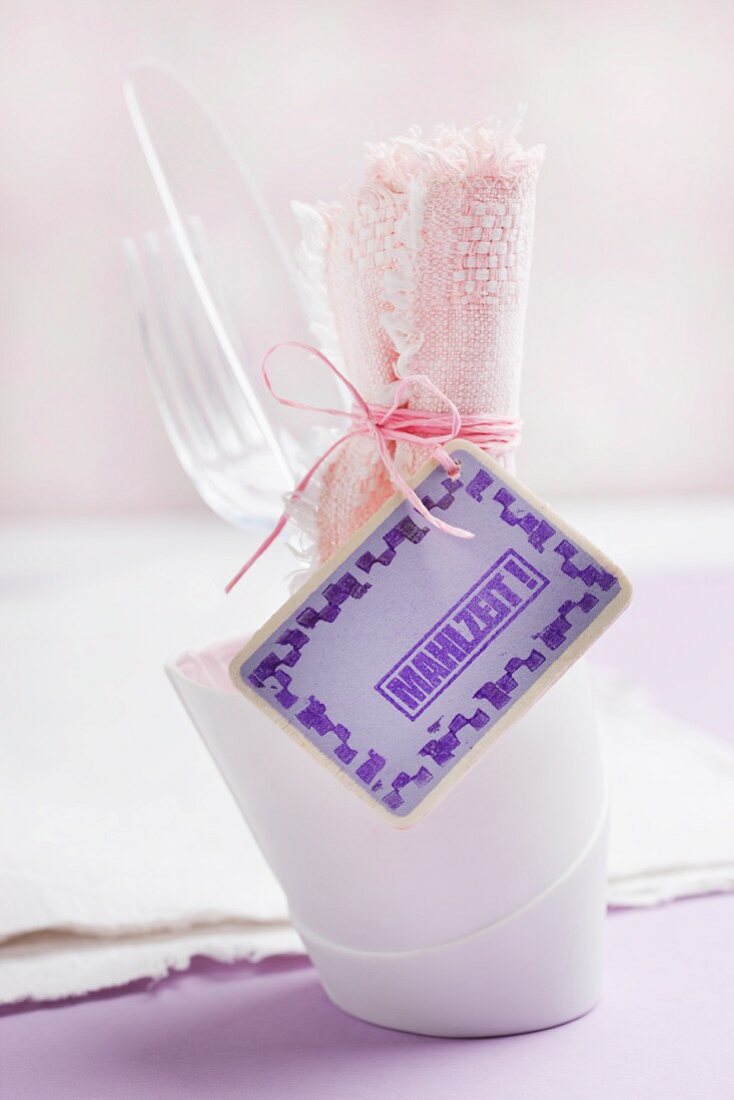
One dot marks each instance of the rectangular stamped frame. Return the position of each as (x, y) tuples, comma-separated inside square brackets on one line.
[(507, 560), (483, 605)]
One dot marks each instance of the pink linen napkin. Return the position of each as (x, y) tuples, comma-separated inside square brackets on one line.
[(422, 270)]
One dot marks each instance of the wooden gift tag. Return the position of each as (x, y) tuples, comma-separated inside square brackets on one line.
[(411, 650)]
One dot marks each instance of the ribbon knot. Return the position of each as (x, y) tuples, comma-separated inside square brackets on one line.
[(394, 423)]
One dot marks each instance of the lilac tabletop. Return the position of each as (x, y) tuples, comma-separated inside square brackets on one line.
[(665, 1027)]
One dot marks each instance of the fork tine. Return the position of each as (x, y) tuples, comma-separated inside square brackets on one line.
[(227, 409), (176, 374), (175, 417), (221, 435), (226, 382)]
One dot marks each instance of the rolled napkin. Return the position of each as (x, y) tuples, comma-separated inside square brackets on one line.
[(423, 270)]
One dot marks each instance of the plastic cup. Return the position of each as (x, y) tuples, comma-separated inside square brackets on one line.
[(484, 918)]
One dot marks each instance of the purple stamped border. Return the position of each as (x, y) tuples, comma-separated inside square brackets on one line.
[(544, 582)]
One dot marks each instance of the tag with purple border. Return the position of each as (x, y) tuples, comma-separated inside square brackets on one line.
[(411, 650)]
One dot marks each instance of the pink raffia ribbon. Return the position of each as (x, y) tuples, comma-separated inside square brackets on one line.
[(394, 423)]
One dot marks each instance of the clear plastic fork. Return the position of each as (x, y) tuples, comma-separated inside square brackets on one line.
[(212, 292), (235, 459)]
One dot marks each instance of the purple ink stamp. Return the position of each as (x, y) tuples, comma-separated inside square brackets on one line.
[(411, 647), (464, 632)]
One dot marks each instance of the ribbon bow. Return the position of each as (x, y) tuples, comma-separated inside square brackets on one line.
[(394, 423)]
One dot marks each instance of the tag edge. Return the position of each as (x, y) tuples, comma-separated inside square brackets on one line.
[(321, 760), (584, 543), (333, 562), (544, 683), (575, 651), (444, 786), (391, 504)]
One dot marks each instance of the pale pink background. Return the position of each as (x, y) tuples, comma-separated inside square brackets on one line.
[(629, 382)]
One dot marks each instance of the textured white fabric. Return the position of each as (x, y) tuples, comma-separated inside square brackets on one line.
[(121, 852), (672, 801), (49, 967), (114, 822)]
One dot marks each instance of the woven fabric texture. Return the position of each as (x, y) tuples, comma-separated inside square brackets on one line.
[(422, 270)]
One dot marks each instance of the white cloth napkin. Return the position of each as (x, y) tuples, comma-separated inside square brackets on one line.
[(122, 854), (672, 833)]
